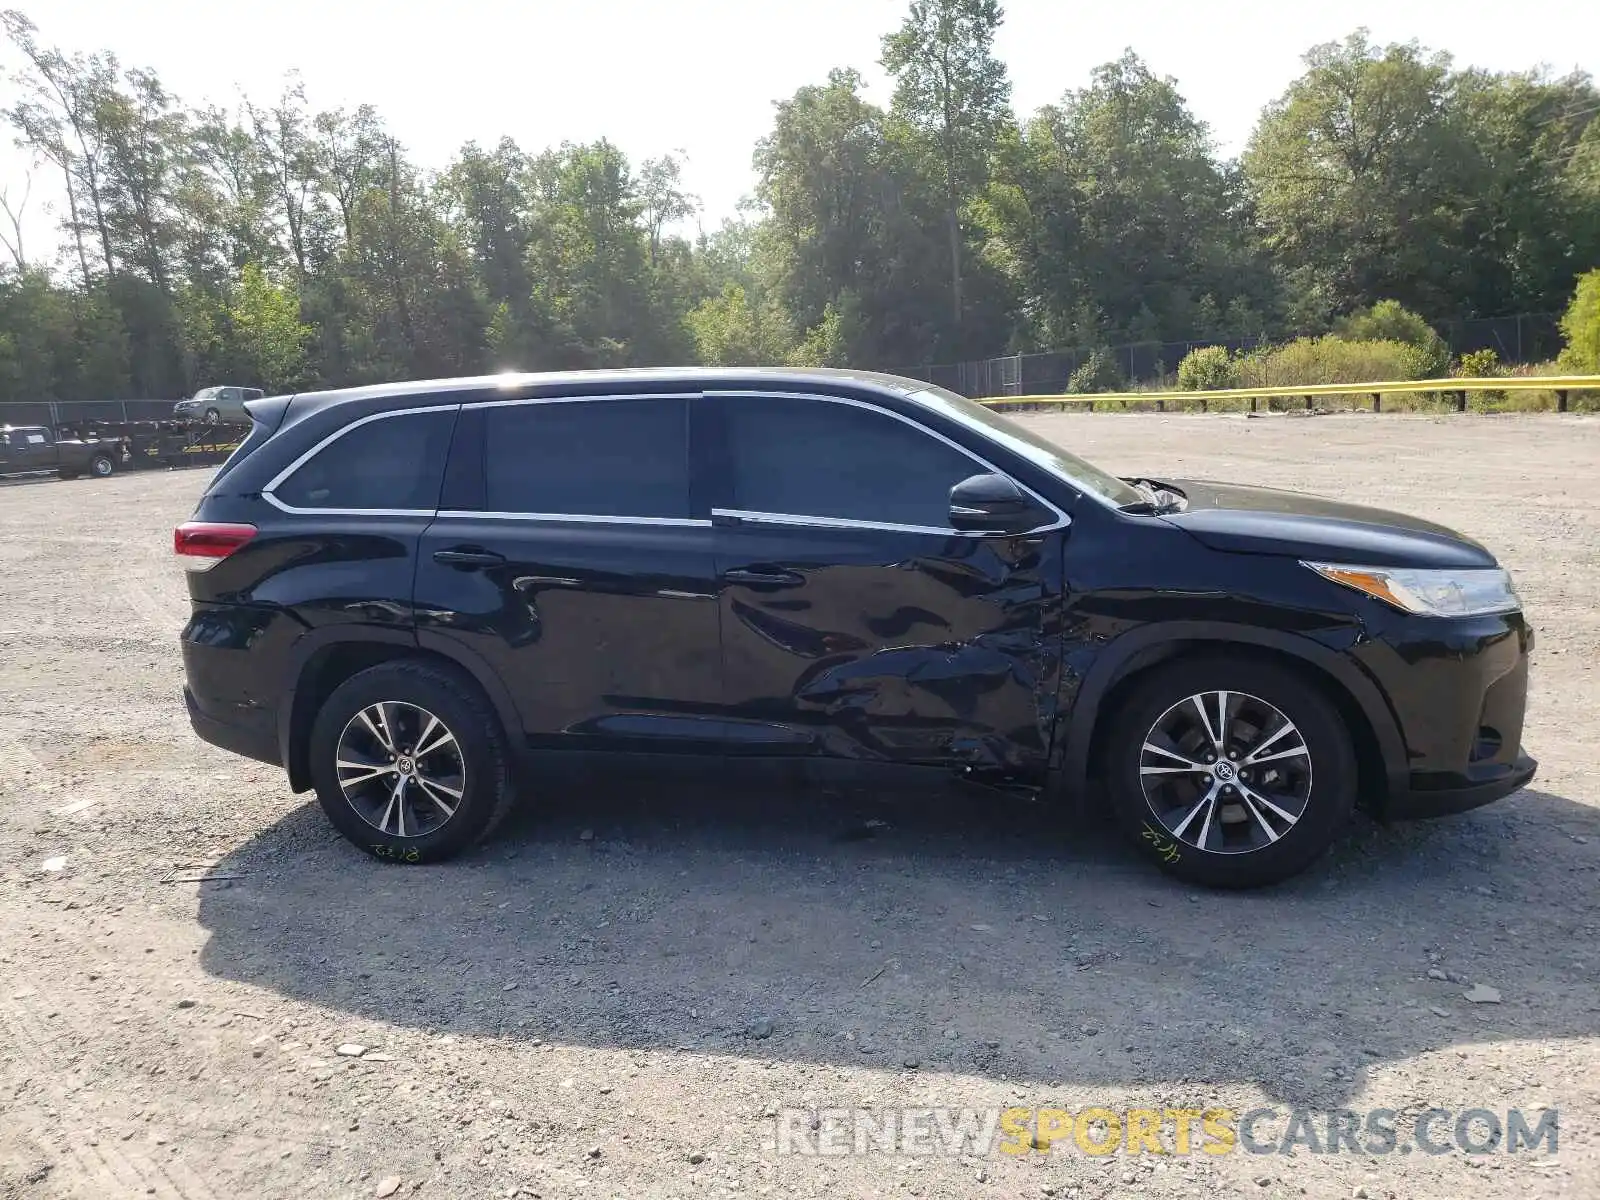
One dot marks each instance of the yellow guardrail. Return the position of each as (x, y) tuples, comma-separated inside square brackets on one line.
[(1561, 385)]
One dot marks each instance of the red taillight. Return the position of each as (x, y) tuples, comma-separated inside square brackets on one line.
[(201, 545)]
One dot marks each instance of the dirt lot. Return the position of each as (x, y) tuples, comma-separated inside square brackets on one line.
[(622, 1012)]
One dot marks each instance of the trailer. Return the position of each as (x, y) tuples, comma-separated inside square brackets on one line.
[(164, 443)]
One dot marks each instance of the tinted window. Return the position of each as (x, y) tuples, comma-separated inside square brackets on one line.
[(608, 458), (812, 458), (393, 462)]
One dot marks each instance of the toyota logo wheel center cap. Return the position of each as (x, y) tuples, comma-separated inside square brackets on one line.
[(1223, 771)]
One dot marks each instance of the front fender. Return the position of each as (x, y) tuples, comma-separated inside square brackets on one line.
[(1148, 644)]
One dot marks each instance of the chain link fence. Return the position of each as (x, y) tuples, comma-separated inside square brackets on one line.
[(1526, 338)]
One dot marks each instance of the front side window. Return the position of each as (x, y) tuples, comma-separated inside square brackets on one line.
[(394, 463), (598, 458), (814, 458)]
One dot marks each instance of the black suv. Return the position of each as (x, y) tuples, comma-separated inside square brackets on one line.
[(402, 593)]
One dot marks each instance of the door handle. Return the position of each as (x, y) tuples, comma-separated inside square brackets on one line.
[(468, 556), (764, 576)]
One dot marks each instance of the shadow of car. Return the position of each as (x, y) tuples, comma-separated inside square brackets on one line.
[(868, 929)]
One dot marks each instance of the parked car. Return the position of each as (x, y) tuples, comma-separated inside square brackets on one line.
[(217, 404), (402, 594), (30, 448)]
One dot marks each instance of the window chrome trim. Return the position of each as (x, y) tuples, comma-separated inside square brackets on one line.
[(1062, 520), (269, 493), (515, 402), (578, 518)]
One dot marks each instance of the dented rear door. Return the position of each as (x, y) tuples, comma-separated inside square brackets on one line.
[(855, 622)]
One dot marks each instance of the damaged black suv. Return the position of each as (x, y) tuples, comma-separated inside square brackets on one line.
[(404, 594)]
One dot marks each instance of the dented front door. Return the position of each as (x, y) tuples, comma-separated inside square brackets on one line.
[(889, 640)]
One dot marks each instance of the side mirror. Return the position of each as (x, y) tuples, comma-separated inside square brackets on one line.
[(993, 504)]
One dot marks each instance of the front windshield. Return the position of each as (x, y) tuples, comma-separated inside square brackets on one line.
[(207, 393), (1019, 439)]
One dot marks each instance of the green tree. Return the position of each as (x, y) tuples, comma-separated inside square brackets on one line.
[(1354, 172), (731, 331), (1580, 325), (268, 331), (954, 94)]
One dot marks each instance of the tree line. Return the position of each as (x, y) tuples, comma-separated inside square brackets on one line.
[(275, 246)]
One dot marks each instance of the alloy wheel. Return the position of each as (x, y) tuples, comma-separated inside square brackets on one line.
[(1225, 772), (401, 769)]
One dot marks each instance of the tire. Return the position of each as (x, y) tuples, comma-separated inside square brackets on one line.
[(1239, 838), (212, 416), (472, 770), (102, 466)]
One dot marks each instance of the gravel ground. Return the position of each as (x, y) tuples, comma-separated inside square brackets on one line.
[(204, 992)]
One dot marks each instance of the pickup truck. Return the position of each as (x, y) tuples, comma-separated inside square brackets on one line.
[(28, 448)]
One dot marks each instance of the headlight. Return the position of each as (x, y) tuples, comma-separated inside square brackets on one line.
[(1449, 593)]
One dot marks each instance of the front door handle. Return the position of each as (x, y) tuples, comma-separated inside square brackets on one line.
[(764, 576), (468, 556)]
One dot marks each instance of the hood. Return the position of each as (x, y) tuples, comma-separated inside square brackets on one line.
[(1257, 520)]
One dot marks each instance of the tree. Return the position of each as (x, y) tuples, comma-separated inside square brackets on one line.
[(1580, 325), (268, 331), (731, 331), (1116, 221), (662, 199), (1352, 174), (953, 92), (57, 116)]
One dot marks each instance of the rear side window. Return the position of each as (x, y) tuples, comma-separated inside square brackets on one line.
[(394, 462), (813, 458), (604, 458)]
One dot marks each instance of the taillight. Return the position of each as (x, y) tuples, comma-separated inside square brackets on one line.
[(201, 545)]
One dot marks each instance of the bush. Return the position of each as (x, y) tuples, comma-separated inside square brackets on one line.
[(1581, 327), (1478, 364), (1330, 359), (1391, 321), (1207, 369), (1098, 373)]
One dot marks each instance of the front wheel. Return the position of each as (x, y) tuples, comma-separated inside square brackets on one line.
[(410, 763), (212, 416), (1231, 774)]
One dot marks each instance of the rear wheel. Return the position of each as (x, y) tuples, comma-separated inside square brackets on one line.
[(409, 762), (1231, 774), (102, 465)]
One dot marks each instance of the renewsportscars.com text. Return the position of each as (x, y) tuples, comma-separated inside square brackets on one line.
[(1098, 1131)]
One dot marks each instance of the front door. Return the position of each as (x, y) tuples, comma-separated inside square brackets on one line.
[(569, 556), (855, 621)]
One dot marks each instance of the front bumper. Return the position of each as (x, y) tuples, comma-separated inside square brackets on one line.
[(1498, 781), (1458, 690)]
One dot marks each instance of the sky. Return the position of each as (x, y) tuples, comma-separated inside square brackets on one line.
[(700, 76)]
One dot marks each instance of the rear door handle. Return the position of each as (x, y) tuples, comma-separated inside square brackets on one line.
[(764, 575), (468, 556)]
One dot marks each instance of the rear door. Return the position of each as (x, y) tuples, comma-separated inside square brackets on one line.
[(855, 621), (573, 558)]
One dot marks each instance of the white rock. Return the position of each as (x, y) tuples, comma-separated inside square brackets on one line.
[(1482, 993), (351, 1050)]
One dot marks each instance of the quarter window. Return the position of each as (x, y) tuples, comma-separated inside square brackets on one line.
[(818, 459), (394, 462), (604, 458)]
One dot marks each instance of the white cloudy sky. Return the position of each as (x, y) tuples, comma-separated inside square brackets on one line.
[(701, 75)]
